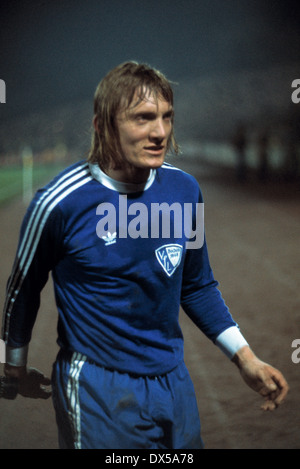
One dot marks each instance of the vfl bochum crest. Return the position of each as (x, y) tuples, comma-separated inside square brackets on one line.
[(169, 257)]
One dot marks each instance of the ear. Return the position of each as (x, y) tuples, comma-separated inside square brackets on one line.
[(95, 123)]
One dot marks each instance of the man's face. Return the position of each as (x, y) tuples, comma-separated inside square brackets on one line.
[(144, 132)]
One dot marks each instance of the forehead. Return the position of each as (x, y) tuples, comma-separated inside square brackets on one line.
[(145, 99)]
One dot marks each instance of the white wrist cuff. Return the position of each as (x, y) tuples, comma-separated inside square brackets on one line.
[(16, 356), (230, 341)]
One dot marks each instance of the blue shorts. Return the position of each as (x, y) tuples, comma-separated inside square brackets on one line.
[(97, 408)]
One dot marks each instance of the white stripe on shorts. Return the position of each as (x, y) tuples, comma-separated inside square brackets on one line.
[(77, 362)]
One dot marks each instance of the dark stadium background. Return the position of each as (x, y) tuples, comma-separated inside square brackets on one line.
[(231, 62)]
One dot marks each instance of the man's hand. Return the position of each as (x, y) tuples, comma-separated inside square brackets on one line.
[(31, 382), (261, 377)]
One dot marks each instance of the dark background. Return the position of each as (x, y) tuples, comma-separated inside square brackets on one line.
[(54, 52), (232, 60)]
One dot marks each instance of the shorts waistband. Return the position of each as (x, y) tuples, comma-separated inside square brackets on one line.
[(68, 355)]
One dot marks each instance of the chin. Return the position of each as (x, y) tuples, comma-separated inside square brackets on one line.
[(156, 165), (156, 162)]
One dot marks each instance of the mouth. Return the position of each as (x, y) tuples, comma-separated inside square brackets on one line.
[(155, 149)]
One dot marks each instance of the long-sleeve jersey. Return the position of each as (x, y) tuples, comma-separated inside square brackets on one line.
[(118, 285)]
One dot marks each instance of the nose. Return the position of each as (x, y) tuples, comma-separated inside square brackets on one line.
[(159, 130)]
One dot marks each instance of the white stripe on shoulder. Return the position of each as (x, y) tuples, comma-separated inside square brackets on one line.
[(63, 187), (170, 166), (46, 208)]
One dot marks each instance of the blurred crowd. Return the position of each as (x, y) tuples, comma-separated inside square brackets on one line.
[(56, 134), (277, 148), (269, 146)]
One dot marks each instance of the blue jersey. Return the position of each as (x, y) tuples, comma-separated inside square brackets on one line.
[(118, 281)]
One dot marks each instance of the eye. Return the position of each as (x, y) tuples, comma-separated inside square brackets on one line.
[(145, 117), (141, 118), (169, 116)]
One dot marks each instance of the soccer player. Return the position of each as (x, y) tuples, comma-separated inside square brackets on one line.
[(121, 233)]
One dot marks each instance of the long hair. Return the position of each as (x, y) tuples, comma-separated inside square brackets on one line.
[(115, 91)]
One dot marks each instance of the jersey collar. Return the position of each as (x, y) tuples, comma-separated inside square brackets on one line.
[(122, 187)]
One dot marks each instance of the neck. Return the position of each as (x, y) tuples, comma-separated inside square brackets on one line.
[(130, 174)]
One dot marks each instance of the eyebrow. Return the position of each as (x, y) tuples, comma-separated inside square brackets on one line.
[(151, 114)]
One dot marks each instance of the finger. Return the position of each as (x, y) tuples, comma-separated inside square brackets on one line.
[(283, 390), (39, 377), (32, 387), (44, 380), (268, 387), (268, 405), (36, 393), (45, 393), (275, 398)]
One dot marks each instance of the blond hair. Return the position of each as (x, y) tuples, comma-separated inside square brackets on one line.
[(115, 91)]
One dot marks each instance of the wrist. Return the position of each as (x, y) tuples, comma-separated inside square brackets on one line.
[(243, 356), (14, 372)]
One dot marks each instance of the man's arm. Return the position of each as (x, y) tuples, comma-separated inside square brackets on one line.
[(261, 377), (204, 304), (38, 251)]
